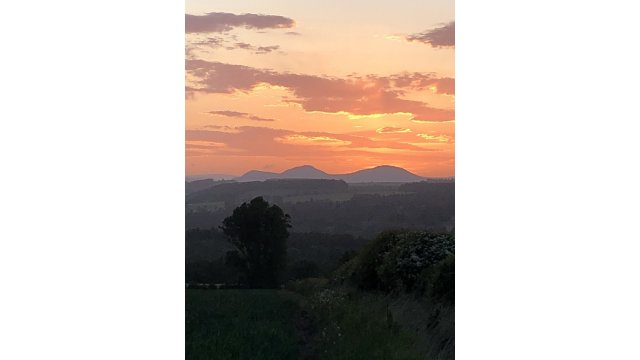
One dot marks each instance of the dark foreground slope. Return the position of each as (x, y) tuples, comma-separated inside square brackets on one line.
[(282, 325), (393, 300)]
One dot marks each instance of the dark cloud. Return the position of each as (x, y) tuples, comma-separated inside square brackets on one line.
[(444, 36), (256, 49), (360, 96), (266, 49), (222, 22), (293, 33), (215, 41), (238, 114)]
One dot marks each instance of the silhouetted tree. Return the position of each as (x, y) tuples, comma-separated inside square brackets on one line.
[(259, 231)]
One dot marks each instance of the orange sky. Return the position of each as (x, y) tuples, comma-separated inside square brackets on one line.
[(272, 85)]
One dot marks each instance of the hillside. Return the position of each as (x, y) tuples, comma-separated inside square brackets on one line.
[(384, 173)]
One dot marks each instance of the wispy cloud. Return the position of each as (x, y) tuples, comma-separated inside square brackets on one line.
[(392, 130), (255, 49), (298, 139), (435, 138), (229, 42), (443, 36), (270, 141), (237, 114)]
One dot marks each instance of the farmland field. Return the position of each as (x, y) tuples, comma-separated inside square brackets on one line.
[(240, 324)]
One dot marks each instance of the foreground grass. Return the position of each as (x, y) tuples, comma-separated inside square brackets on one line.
[(353, 327), (350, 324), (240, 324), (315, 324)]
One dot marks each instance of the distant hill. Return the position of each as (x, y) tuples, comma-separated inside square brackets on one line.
[(197, 185), (304, 172), (383, 173), (209, 176), (255, 175)]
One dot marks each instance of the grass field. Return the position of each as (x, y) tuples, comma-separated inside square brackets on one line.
[(240, 324), (269, 325)]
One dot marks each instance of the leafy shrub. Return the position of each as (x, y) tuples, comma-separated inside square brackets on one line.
[(395, 259), (439, 281), (412, 253), (365, 273)]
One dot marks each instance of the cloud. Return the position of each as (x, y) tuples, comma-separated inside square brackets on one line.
[(435, 138), (237, 114), (229, 42), (211, 41), (312, 140), (222, 22), (252, 147), (293, 33), (444, 36), (256, 49), (280, 142), (392, 130), (266, 49), (356, 95), (421, 81)]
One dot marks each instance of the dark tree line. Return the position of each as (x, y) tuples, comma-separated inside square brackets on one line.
[(420, 206)]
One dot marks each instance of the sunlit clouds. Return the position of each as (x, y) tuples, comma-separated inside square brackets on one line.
[(392, 130), (284, 88), (312, 140)]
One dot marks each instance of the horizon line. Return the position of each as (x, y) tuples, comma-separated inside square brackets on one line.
[(315, 167)]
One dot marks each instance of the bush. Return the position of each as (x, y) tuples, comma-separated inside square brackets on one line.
[(412, 254), (365, 272), (396, 259), (439, 281)]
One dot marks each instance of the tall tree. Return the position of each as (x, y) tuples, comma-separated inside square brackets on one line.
[(259, 231)]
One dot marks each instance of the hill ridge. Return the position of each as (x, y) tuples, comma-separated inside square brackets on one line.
[(381, 173)]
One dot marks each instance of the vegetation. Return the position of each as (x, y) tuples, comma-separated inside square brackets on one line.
[(346, 297), (259, 232), (357, 210), (396, 260), (353, 325), (394, 300), (233, 192), (240, 324), (206, 251)]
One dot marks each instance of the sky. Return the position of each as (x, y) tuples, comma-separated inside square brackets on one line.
[(339, 85)]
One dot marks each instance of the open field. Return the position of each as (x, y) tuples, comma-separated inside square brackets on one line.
[(240, 324), (329, 324)]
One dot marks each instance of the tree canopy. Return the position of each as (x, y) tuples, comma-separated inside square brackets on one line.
[(259, 231)]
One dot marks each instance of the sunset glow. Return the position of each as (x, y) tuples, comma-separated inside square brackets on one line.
[(338, 86)]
